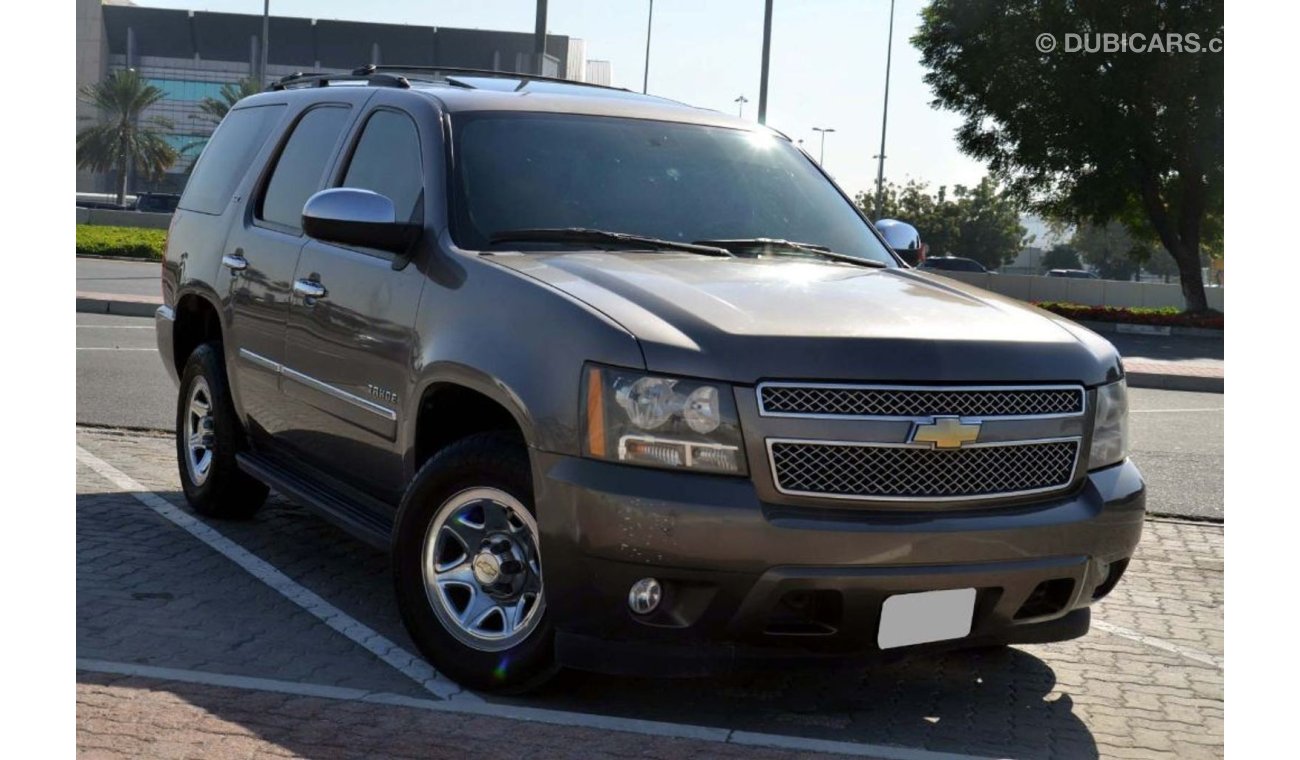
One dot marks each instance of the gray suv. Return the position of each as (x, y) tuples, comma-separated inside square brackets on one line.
[(626, 385)]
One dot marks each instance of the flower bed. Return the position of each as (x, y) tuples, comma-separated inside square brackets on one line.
[(1168, 316)]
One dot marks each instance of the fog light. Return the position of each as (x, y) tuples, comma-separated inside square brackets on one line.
[(644, 596)]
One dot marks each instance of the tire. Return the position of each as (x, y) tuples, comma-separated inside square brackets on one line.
[(211, 479), (475, 498)]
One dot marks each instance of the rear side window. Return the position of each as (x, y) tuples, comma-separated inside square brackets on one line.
[(226, 158), (301, 166), (387, 161)]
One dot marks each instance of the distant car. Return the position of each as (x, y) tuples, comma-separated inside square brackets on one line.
[(161, 203), (1078, 274), (953, 264)]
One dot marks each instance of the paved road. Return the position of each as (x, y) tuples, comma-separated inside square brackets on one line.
[(1177, 436), (132, 278), (280, 635)]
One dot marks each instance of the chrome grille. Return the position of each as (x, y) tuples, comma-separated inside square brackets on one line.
[(868, 471), (880, 401)]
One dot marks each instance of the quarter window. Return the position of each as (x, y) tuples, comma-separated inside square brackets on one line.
[(300, 168), (387, 161), (226, 157)]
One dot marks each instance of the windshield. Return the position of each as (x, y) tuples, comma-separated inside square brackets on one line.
[(678, 182)]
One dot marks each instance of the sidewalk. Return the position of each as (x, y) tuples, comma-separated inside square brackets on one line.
[(130, 288)]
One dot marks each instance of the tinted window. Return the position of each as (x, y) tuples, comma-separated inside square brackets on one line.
[(676, 181), (387, 161), (226, 158), (301, 166)]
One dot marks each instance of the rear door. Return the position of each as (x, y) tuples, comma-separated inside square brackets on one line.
[(349, 354), (262, 252)]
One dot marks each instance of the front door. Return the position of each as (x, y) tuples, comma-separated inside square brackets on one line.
[(261, 256), (349, 349)]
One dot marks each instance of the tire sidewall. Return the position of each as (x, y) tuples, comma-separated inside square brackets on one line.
[(479, 461), (227, 491)]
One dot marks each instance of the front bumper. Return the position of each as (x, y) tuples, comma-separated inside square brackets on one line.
[(749, 582)]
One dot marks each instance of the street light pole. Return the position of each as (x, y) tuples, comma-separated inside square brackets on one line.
[(742, 100), (266, 35), (539, 38), (767, 51), (884, 119), (821, 157), (649, 25)]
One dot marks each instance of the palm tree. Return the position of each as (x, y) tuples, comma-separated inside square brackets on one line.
[(215, 109), (121, 140)]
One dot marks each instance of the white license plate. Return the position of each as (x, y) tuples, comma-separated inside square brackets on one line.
[(926, 616)]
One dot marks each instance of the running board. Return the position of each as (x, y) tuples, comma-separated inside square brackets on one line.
[(361, 516)]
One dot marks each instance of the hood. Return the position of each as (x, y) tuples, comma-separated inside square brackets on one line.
[(746, 320)]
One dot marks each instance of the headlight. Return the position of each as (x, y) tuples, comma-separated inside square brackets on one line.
[(1110, 426), (658, 421)]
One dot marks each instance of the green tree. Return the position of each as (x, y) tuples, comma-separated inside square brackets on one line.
[(121, 139), (213, 110), (1090, 136), (1062, 256), (981, 222), (1109, 248)]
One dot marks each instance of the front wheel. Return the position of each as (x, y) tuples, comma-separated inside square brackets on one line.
[(468, 566)]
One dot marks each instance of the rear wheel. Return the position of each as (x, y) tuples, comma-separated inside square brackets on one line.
[(468, 569), (208, 435)]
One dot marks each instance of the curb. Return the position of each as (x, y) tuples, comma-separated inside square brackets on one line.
[(1166, 382), (123, 306), (1133, 328)]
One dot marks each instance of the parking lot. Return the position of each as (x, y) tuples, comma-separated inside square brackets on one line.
[(280, 636)]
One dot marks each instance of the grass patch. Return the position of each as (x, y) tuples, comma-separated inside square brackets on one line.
[(124, 242), (1165, 316)]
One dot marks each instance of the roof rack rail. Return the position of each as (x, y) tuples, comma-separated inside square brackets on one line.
[(373, 69), (322, 79)]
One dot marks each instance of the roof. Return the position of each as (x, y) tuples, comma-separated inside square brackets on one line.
[(464, 90)]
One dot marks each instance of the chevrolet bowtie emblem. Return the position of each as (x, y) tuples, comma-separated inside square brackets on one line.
[(946, 432)]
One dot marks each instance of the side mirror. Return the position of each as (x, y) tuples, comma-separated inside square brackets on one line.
[(904, 239), (352, 216)]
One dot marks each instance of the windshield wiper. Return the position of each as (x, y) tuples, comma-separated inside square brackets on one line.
[(777, 244), (603, 237)]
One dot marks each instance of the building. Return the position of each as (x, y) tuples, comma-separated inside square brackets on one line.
[(598, 72), (191, 54)]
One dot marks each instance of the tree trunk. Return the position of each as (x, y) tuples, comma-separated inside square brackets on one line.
[(1184, 241)]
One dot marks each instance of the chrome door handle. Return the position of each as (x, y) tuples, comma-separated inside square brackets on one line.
[(309, 289), (235, 261)]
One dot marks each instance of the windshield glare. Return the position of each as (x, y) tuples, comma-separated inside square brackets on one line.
[(680, 182)]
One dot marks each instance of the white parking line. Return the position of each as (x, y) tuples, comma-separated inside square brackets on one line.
[(112, 348), (531, 714), (403, 661), (1158, 643), (115, 327), (1175, 411)]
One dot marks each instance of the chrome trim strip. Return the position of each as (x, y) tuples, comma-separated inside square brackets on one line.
[(260, 360), (339, 393), (314, 384), (763, 412), (776, 483)]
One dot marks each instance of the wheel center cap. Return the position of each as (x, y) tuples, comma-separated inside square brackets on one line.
[(487, 568)]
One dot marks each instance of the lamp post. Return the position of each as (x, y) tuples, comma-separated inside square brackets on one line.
[(649, 25), (767, 50), (821, 156), (266, 34), (884, 119), (742, 100)]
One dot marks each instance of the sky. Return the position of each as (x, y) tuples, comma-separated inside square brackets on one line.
[(827, 65)]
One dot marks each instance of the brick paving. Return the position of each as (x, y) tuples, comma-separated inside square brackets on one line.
[(150, 593)]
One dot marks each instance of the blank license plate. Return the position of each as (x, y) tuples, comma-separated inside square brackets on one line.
[(907, 619)]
